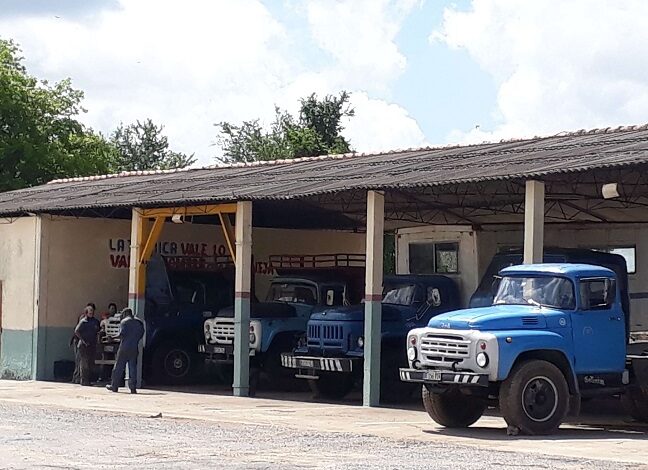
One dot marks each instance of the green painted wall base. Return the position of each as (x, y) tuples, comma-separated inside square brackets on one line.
[(20, 348)]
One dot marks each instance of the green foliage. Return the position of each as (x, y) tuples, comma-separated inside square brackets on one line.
[(40, 139), (316, 131), (142, 146)]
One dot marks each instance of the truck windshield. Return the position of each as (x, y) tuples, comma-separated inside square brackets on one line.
[(293, 293), (399, 294), (545, 291)]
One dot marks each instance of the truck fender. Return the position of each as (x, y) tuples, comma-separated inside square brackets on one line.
[(557, 358), (279, 335)]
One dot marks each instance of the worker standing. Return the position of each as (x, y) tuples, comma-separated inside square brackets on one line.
[(131, 332), (86, 332)]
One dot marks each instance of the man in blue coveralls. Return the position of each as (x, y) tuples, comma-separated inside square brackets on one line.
[(131, 332)]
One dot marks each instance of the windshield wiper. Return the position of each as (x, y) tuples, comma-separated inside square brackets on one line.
[(534, 302)]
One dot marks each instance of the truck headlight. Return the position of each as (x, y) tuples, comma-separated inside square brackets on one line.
[(360, 342), (482, 359), (252, 335), (207, 331), (411, 354)]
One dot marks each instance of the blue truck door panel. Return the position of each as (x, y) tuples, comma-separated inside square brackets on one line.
[(598, 331)]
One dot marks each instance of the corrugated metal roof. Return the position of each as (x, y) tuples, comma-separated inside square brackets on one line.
[(515, 159)]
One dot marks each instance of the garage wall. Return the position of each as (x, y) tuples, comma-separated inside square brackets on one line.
[(492, 238), (467, 278), (18, 265), (88, 262)]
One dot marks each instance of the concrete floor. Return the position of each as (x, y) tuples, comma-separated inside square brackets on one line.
[(601, 437)]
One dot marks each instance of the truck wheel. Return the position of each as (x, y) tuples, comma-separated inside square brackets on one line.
[(279, 377), (635, 402), (333, 386), (452, 408), (172, 364), (534, 398)]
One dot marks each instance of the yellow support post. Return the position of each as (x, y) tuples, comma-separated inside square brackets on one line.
[(228, 233), (152, 239)]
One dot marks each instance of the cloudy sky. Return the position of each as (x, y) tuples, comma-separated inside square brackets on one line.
[(420, 71)]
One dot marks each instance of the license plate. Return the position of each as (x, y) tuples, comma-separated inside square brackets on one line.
[(307, 363), (433, 375), (218, 350), (109, 348)]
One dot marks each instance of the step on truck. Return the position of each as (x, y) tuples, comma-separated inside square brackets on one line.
[(180, 293), (305, 284), (555, 333), (331, 355)]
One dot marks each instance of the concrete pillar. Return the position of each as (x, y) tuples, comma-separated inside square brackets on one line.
[(137, 278), (242, 295), (534, 221), (373, 297)]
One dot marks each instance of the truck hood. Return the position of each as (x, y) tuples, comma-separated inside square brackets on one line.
[(357, 312), (263, 310), (496, 317)]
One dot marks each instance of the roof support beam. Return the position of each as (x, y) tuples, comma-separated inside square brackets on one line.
[(242, 287), (373, 297), (534, 221)]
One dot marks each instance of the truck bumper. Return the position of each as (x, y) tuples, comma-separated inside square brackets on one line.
[(222, 354), (443, 377), (327, 364)]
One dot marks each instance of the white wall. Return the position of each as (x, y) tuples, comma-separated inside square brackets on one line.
[(19, 241), (468, 277)]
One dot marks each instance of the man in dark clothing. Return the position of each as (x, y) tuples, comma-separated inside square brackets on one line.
[(131, 332), (86, 332)]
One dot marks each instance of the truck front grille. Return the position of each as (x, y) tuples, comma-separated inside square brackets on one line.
[(112, 327), (223, 333), (444, 349), (323, 334)]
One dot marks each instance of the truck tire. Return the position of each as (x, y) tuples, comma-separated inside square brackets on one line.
[(333, 386), (452, 408), (280, 378), (172, 364), (534, 398), (635, 402)]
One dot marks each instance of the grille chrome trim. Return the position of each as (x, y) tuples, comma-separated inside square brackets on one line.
[(444, 349)]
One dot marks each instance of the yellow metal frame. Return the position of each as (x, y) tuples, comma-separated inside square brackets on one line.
[(145, 236), (211, 209)]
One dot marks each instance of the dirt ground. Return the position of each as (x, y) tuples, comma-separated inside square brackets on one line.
[(47, 425)]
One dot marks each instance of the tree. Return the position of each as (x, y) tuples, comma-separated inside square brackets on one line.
[(40, 139), (316, 131), (142, 146)]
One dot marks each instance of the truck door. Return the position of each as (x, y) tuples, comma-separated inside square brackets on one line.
[(598, 328)]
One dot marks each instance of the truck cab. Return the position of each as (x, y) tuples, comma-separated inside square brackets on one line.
[(331, 354), (318, 282), (553, 334), (177, 303)]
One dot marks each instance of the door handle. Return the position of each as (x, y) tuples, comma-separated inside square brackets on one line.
[(615, 318)]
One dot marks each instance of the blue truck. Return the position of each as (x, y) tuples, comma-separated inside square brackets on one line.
[(555, 333), (305, 284), (331, 354), (180, 293)]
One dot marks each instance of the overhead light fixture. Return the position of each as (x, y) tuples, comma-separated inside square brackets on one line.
[(177, 218), (610, 190)]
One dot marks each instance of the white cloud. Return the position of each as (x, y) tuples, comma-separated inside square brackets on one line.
[(379, 126), (194, 63), (558, 65)]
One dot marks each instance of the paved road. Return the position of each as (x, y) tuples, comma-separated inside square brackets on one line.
[(33, 436)]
